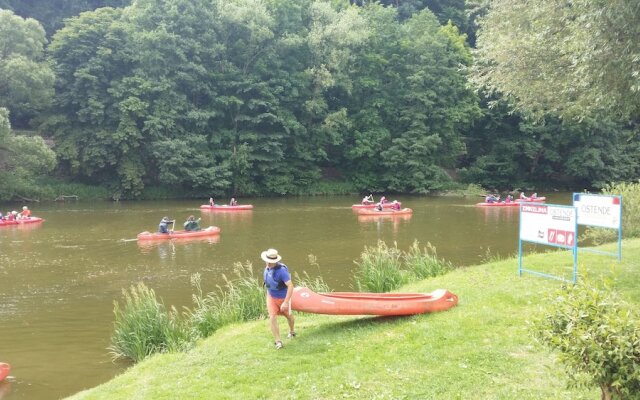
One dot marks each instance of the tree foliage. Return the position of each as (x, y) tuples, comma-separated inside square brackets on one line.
[(571, 58)]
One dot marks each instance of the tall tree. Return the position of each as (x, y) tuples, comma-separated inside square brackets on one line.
[(572, 58)]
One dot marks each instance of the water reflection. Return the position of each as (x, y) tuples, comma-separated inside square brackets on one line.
[(499, 214), (394, 220), (167, 249)]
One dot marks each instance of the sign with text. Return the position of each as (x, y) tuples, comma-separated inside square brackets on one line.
[(548, 224), (598, 210)]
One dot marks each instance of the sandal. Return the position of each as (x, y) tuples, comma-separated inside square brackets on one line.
[(291, 334), (278, 345)]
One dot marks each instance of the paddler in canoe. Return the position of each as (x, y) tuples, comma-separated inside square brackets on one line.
[(366, 200), (192, 224), (163, 227)]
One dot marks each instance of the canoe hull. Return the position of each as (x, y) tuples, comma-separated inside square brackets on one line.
[(242, 207), (532, 200), (383, 304), (368, 206), (4, 370), (30, 220), (404, 211), (512, 204), (210, 231)]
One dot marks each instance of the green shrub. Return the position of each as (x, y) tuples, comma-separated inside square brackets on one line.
[(598, 337), (425, 263), (143, 326), (380, 269), (630, 193)]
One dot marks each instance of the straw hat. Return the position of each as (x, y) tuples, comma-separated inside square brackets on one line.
[(270, 256)]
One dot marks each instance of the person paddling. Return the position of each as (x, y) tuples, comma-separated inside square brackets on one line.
[(163, 227)]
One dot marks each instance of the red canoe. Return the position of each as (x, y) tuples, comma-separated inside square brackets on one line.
[(500, 204), (4, 370), (239, 207), (30, 220), (372, 205), (404, 211), (210, 231), (354, 303), (532, 200)]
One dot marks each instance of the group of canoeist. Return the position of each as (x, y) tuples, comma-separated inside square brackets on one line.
[(16, 216), (495, 198), (367, 200)]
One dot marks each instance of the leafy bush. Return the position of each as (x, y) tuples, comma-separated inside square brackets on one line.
[(598, 337), (143, 326), (630, 193)]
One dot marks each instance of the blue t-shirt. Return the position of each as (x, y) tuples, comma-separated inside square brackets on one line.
[(275, 278)]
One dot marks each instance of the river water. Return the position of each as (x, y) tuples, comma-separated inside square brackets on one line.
[(59, 279)]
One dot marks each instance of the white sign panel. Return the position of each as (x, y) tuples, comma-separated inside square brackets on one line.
[(548, 224), (598, 210)]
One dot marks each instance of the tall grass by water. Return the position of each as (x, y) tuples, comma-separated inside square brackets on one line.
[(382, 268), (143, 325)]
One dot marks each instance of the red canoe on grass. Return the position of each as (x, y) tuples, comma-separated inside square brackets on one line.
[(30, 220), (239, 207), (354, 303), (4, 370), (210, 231), (532, 200), (385, 212)]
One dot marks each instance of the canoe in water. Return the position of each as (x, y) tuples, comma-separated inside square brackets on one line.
[(210, 231), (30, 220), (355, 303), (239, 207), (4, 370), (532, 200), (372, 205), (500, 204), (366, 211)]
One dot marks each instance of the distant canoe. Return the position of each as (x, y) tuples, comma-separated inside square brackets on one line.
[(500, 204), (366, 211), (210, 231), (355, 303), (30, 220), (372, 205), (532, 200), (239, 207), (4, 370)]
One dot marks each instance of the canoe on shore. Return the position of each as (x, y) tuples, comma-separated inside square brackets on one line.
[(532, 200), (500, 204), (239, 207), (355, 303), (30, 220), (210, 231), (366, 211), (4, 370)]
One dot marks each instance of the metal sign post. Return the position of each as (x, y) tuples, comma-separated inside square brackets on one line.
[(551, 225)]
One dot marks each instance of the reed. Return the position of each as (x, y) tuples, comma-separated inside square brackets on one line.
[(143, 326), (424, 263), (240, 299), (380, 269)]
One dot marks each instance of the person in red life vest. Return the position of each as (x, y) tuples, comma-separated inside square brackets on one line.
[(395, 205), (277, 280), (383, 200), (509, 199), (233, 202), (25, 214), (211, 203), (12, 216)]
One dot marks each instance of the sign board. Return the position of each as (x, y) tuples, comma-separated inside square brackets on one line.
[(598, 210), (547, 224)]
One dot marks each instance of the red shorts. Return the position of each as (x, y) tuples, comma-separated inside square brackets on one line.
[(273, 306)]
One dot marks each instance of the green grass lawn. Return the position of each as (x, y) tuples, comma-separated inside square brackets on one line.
[(481, 349)]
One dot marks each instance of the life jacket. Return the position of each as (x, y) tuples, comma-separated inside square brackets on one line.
[(281, 285)]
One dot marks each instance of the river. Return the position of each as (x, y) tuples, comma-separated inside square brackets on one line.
[(59, 279)]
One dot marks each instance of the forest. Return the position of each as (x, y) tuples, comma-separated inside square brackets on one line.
[(290, 97)]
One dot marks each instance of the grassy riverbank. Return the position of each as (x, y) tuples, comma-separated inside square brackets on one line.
[(482, 349)]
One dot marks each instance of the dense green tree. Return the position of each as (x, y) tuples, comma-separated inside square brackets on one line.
[(26, 80), (571, 58)]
